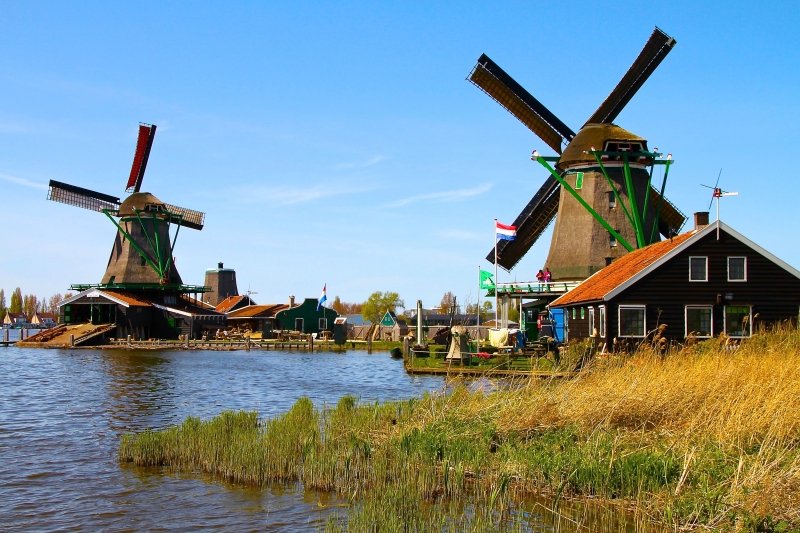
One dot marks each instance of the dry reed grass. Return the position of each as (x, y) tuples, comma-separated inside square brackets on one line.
[(702, 437)]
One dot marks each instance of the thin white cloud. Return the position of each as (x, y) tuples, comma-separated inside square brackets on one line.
[(456, 195), (24, 182), (285, 196), (372, 161)]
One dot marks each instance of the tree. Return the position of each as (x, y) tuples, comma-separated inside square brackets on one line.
[(2, 304), (15, 307), (447, 303), (29, 305), (337, 305), (378, 303), (52, 303)]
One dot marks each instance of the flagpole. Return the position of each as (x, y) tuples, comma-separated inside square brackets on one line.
[(496, 300), (480, 288)]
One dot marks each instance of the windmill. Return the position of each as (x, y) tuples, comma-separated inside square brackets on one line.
[(600, 191), (716, 195), (141, 257)]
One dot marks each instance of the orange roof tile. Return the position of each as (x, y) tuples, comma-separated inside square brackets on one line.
[(129, 298), (253, 311), (228, 303), (623, 269)]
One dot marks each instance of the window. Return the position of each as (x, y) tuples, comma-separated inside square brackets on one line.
[(699, 320), (612, 241), (323, 324), (738, 320), (573, 313), (591, 321), (612, 199), (583, 313), (737, 269), (298, 324), (631, 320), (698, 269), (578, 181), (602, 320)]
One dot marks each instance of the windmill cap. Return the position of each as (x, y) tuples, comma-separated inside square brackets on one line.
[(138, 201), (594, 136)]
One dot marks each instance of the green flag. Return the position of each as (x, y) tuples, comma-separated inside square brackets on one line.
[(487, 280)]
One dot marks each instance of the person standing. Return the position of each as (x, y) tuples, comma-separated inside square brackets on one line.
[(547, 278), (540, 279)]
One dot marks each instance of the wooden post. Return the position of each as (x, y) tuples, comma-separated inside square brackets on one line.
[(72, 340), (369, 344), (405, 347), (247, 343), (311, 343), (5, 335)]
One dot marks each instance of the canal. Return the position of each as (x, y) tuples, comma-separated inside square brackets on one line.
[(63, 411)]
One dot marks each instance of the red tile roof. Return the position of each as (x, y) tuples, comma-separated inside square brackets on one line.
[(623, 269), (230, 302)]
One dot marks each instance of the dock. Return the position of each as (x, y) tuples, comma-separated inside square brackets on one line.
[(488, 372)]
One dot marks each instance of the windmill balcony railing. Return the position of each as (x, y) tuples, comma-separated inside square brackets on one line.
[(535, 287)]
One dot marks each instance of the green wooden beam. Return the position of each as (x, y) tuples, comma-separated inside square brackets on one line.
[(542, 161)]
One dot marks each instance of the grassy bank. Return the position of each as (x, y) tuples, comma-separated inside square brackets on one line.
[(704, 437)]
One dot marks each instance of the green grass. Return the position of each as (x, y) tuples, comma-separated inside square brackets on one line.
[(704, 438)]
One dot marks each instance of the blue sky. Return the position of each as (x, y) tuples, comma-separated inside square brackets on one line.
[(340, 143)]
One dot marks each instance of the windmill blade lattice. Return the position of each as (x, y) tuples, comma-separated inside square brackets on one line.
[(80, 197)]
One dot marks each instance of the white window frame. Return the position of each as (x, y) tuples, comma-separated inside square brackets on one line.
[(686, 330), (749, 322), (620, 309), (322, 324), (705, 259), (744, 259), (602, 327), (591, 320)]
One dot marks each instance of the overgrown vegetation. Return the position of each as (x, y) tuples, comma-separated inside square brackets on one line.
[(705, 437)]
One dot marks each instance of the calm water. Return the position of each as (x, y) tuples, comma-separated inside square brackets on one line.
[(62, 413)]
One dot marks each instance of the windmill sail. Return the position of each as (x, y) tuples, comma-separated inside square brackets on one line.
[(143, 145), (530, 224), (494, 81), (654, 51), (185, 217), (80, 197)]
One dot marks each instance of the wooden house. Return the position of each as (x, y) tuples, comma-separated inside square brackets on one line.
[(700, 284), (308, 317), (44, 320), (256, 318), (392, 328), (231, 303), (15, 320), (142, 315)]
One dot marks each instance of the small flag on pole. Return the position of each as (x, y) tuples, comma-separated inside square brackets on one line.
[(505, 232), (323, 297), (487, 280)]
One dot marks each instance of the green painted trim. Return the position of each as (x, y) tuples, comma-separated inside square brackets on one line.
[(661, 200), (581, 201), (128, 237), (613, 187), (142, 287), (637, 216)]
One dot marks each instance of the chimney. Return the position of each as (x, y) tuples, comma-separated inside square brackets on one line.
[(700, 219), (219, 265), (291, 301)]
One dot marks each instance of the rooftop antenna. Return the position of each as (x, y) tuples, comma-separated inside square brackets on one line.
[(716, 195)]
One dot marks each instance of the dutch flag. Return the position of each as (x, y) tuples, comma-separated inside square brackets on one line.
[(505, 232), (323, 297)]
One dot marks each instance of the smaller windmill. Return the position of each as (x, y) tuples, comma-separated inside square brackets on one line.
[(141, 257), (716, 195)]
